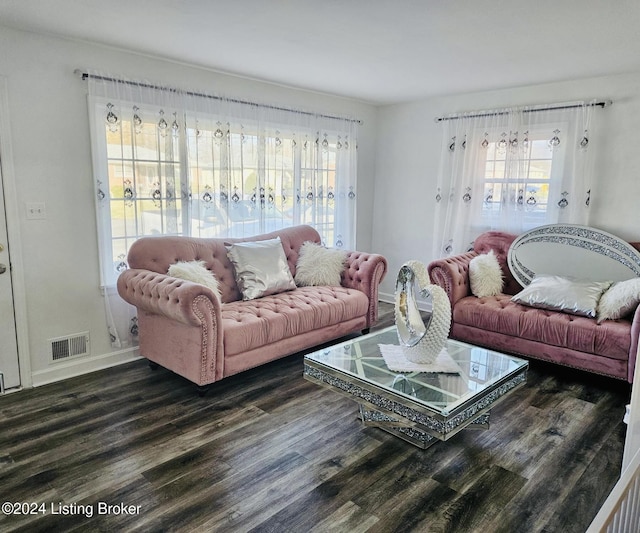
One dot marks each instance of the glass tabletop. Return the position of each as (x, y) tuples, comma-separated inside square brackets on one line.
[(477, 370)]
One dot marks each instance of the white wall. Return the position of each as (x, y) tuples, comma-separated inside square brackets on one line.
[(399, 147), (51, 156), (408, 151)]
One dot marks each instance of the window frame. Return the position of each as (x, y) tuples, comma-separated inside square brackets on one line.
[(515, 183)]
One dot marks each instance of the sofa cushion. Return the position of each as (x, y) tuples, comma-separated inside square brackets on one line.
[(556, 293), (499, 314), (195, 271), (261, 268), (249, 325), (485, 275), (318, 265), (499, 242), (619, 300)]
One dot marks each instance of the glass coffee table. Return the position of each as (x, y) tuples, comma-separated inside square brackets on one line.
[(419, 407)]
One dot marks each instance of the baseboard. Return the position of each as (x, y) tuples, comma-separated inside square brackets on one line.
[(84, 365), (386, 297)]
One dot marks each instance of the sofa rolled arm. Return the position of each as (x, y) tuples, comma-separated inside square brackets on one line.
[(173, 298), (452, 274), (364, 272), (633, 350)]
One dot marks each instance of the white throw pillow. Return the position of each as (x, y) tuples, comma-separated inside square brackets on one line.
[(318, 265), (485, 275), (261, 268), (576, 297), (195, 271), (619, 300)]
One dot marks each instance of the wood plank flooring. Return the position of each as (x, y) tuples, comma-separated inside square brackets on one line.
[(267, 451)]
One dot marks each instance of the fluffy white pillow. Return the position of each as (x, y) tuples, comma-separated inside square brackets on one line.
[(619, 300), (261, 268), (195, 271), (485, 275), (318, 265)]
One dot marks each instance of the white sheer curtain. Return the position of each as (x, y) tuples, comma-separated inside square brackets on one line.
[(512, 170), (168, 161)]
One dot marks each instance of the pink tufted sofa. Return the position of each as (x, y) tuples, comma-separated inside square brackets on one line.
[(185, 328), (608, 348)]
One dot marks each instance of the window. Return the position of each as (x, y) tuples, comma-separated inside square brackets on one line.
[(172, 162), (199, 175), (511, 170), (520, 173), (140, 195)]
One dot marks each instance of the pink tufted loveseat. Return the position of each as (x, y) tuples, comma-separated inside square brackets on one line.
[(608, 348), (185, 328)]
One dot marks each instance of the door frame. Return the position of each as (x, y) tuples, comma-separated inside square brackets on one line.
[(12, 214)]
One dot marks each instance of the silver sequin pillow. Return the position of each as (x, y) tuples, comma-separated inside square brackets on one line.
[(562, 294), (261, 268)]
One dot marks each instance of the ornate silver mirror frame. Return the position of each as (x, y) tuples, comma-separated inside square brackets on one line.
[(571, 250)]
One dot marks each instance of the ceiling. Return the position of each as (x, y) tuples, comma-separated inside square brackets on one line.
[(378, 51)]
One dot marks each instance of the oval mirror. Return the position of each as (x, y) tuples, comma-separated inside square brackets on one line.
[(570, 250)]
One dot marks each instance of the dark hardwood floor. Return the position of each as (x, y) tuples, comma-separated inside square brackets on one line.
[(268, 451)]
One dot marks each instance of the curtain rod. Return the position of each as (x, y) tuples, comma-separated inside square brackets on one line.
[(602, 103), (85, 76)]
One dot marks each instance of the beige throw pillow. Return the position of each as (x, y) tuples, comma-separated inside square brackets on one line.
[(318, 265), (261, 268)]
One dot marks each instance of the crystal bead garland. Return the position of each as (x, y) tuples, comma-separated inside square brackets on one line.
[(421, 342)]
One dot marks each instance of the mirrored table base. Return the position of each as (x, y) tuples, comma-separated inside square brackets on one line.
[(409, 431)]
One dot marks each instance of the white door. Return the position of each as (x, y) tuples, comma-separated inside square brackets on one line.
[(8, 342)]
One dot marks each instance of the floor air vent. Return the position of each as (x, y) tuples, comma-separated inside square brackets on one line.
[(71, 346)]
